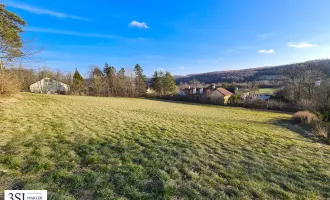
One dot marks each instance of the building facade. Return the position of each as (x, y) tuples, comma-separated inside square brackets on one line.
[(49, 86)]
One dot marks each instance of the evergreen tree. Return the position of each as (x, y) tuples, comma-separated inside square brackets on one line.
[(110, 73), (169, 85), (121, 72), (156, 82), (106, 69), (140, 80), (78, 82), (10, 40), (10, 30)]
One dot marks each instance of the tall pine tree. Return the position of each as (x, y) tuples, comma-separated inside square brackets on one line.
[(163, 83), (11, 26), (78, 82), (110, 73), (156, 82), (140, 80)]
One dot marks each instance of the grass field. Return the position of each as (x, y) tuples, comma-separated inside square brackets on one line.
[(266, 91), (121, 148)]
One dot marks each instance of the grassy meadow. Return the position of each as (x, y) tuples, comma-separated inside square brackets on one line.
[(122, 148), (266, 91)]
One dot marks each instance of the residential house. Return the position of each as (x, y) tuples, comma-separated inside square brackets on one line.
[(219, 94), (318, 82), (211, 93)]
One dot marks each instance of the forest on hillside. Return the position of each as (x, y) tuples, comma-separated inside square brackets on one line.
[(248, 75)]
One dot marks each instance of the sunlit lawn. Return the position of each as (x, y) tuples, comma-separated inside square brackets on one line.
[(122, 148), (266, 90)]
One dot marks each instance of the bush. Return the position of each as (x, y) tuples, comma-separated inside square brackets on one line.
[(305, 104), (321, 129), (255, 103), (304, 117), (9, 84), (280, 105), (234, 99), (276, 105)]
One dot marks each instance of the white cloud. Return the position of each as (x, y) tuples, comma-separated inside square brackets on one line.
[(40, 11), (182, 68), (300, 45), (267, 51), (138, 24)]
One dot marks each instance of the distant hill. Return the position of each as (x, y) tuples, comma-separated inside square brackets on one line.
[(246, 75)]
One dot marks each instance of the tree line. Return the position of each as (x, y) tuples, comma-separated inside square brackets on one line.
[(110, 82), (122, 82)]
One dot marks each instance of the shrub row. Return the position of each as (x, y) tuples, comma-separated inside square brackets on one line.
[(320, 128), (254, 103)]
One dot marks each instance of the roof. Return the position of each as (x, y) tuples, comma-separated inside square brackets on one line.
[(224, 92), (206, 91)]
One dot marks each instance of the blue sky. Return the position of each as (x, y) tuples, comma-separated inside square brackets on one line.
[(182, 37)]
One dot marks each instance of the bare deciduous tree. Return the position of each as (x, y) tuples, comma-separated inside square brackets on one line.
[(299, 81)]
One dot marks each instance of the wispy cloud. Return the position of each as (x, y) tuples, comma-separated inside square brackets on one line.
[(138, 24), (73, 33), (300, 45), (264, 36), (270, 51), (182, 68), (41, 11)]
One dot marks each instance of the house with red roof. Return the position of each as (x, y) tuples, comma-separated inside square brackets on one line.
[(211, 93)]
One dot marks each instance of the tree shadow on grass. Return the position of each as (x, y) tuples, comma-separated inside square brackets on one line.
[(301, 129), (181, 102), (198, 103)]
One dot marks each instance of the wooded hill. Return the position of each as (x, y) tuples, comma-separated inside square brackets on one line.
[(247, 75)]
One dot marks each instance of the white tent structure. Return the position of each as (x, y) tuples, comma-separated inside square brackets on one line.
[(49, 86)]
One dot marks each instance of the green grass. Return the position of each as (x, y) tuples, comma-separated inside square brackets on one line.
[(122, 148), (266, 91)]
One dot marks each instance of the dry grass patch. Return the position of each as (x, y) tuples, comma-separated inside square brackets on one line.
[(304, 117), (9, 84), (10, 99)]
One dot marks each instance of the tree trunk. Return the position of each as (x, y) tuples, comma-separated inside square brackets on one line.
[(2, 70)]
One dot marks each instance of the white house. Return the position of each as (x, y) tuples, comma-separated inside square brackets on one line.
[(318, 82), (49, 86)]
